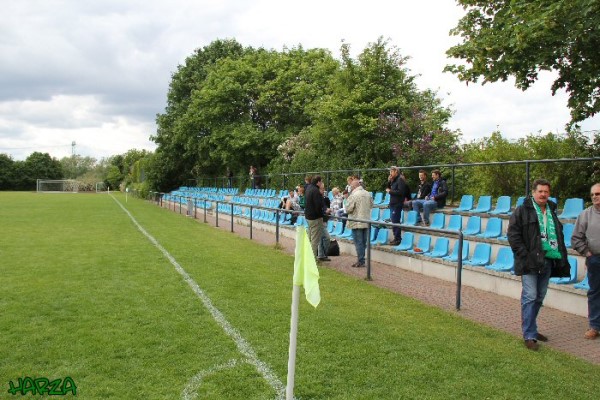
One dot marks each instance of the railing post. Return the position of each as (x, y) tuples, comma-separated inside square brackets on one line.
[(459, 271), (231, 217), (251, 222), (527, 172), (217, 214), (453, 184), (368, 252), (204, 210), (277, 226)]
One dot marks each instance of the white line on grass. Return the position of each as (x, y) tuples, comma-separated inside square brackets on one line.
[(241, 343), (190, 390)]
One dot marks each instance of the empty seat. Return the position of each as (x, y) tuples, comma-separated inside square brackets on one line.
[(583, 285), (300, 220), (382, 237), (406, 243), (484, 204), (454, 256), (455, 223), (570, 279), (386, 200), (385, 215), (473, 226), (520, 201), (502, 206), (505, 260), (375, 214), (481, 255), (440, 249), (438, 221), (410, 218), (330, 226), (466, 203), (378, 199), (347, 234), (572, 208), (339, 228), (567, 233), (422, 246), (493, 229)]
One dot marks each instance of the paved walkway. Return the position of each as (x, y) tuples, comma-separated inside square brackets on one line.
[(565, 331)]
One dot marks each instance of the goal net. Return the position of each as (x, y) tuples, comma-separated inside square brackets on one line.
[(57, 186)]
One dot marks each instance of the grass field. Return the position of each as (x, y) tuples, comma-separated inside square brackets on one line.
[(84, 294)]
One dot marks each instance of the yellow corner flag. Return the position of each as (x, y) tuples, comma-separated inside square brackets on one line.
[(305, 268)]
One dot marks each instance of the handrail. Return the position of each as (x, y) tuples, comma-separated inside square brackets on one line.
[(453, 233)]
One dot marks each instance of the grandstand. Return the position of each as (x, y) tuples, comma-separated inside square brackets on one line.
[(486, 254)]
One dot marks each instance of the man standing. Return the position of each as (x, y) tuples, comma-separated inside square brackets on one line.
[(536, 237), (436, 199), (360, 203), (313, 212), (586, 240), (399, 192)]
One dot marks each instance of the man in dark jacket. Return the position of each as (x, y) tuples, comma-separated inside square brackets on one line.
[(536, 237), (313, 212), (435, 199), (399, 192)]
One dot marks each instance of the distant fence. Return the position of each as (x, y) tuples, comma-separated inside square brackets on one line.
[(514, 177)]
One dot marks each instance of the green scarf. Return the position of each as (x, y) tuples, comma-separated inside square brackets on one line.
[(548, 233)]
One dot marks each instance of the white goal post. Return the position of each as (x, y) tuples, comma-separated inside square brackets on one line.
[(57, 186)]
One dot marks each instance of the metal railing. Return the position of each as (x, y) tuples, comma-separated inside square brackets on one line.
[(191, 202)]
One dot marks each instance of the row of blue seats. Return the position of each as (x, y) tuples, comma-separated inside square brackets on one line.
[(571, 209), (213, 190)]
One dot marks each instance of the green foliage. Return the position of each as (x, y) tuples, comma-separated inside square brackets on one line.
[(7, 169), (521, 38), (76, 166)]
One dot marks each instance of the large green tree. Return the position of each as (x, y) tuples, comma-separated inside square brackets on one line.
[(502, 38)]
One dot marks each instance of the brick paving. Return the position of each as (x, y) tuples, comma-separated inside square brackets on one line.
[(565, 331)]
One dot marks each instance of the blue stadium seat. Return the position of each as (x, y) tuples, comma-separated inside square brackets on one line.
[(454, 256), (502, 206), (473, 226), (570, 279), (347, 234), (406, 243), (484, 204), (505, 260), (568, 232), (466, 203), (422, 246), (572, 208), (386, 200), (330, 226), (339, 228), (385, 215), (375, 214), (455, 223), (493, 229), (378, 199), (382, 237), (300, 220), (410, 218), (440, 249), (583, 285), (438, 221), (481, 255)]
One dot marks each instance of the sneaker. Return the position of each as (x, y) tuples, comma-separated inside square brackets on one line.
[(532, 344), (357, 265), (592, 334), (395, 242), (323, 259)]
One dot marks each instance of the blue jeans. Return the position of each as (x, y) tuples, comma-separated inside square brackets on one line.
[(593, 273), (395, 215), (360, 237), (324, 243), (427, 206), (534, 290)]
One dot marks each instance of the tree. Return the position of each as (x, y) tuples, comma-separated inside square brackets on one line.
[(504, 38), (7, 172), (36, 166), (76, 166)]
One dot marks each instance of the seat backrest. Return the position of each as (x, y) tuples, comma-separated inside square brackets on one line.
[(505, 256), (484, 203), (455, 223), (378, 198), (465, 250), (573, 263), (407, 239), (494, 225), (474, 223), (441, 245), (424, 242), (503, 204), (567, 233), (466, 202), (573, 207), (410, 218), (482, 252), (438, 221), (520, 201), (375, 214), (385, 214)]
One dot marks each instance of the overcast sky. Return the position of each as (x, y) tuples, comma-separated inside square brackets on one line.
[(97, 72)]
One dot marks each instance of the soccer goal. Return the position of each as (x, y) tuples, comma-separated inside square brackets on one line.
[(57, 186)]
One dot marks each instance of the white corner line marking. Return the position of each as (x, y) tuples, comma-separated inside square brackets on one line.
[(241, 343)]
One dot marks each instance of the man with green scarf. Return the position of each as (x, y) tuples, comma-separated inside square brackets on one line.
[(536, 237)]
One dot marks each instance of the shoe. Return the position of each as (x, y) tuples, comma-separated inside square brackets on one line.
[(532, 344), (323, 259), (360, 265), (395, 242), (542, 338), (591, 334)]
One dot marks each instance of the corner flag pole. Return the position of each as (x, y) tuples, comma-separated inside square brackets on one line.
[(305, 274)]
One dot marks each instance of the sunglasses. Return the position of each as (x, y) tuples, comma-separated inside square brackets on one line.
[(595, 194)]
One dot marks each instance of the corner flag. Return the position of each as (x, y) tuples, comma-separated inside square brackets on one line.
[(305, 268)]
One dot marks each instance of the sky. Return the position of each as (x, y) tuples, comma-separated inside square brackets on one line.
[(96, 73)]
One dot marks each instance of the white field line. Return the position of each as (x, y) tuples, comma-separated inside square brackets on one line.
[(241, 343)]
